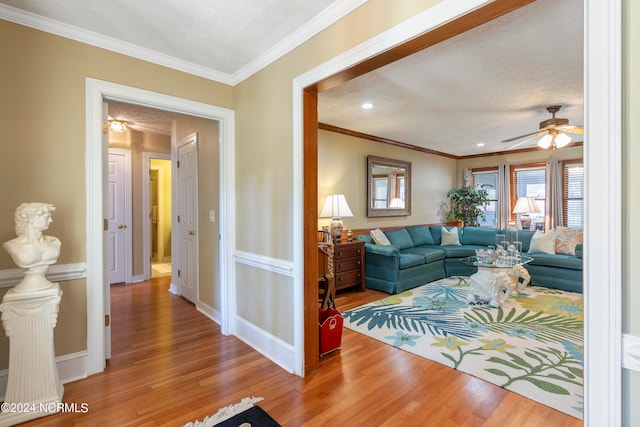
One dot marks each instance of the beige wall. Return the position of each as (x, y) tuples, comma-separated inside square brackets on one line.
[(342, 168), (264, 142), (42, 114), (631, 199)]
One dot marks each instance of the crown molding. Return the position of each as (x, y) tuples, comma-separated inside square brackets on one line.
[(321, 21), (58, 28)]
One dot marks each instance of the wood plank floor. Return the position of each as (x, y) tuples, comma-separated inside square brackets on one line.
[(170, 365)]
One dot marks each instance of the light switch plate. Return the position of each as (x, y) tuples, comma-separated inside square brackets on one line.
[(212, 216)]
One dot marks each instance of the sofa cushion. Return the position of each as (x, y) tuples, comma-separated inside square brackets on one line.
[(421, 235), (450, 237), (379, 237), (459, 251), (567, 239), (410, 260), (365, 238), (436, 233), (479, 236), (399, 238), (430, 254), (543, 243), (525, 236), (557, 260)]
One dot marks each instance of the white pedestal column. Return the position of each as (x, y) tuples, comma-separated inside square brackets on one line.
[(33, 388)]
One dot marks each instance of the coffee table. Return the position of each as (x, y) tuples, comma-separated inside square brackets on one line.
[(495, 283)]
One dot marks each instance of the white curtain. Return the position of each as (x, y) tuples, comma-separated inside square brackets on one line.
[(468, 176), (504, 197), (554, 212)]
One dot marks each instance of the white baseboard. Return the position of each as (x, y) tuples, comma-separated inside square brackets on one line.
[(210, 312), (266, 344), (173, 289), (137, 278), (71, 367)]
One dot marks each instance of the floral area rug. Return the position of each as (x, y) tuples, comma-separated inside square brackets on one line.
[(532, 346)]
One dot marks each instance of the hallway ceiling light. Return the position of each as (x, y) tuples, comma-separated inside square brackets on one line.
[(117, 125)]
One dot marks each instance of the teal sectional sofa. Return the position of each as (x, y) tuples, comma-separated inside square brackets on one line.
[(416, 256)]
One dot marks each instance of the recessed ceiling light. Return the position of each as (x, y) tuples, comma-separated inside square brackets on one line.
[(480, 144), (367, 106)]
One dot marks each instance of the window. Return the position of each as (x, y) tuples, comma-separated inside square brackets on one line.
[(380, 192), (529, 181), (489, 178), (573, 194)]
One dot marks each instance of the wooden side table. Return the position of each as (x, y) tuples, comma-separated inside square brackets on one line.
[(348, 264)]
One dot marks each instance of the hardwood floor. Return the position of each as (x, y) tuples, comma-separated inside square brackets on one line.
[(170, 365)]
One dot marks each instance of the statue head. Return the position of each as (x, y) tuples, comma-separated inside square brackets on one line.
[(29, 213)]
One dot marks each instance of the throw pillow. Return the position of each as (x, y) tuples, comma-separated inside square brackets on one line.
[(567, 239), (379, 237), (450, 237), (543, 243)]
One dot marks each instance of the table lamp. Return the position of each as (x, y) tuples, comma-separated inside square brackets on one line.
[(524, 207), (336, 207)]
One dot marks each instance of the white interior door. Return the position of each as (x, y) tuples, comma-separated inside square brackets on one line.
[(118, 170), (187, 220)]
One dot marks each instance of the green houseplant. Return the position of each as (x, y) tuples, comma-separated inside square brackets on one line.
[(467, 203)]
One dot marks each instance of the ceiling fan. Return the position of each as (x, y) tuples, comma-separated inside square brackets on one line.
[(553, 131)]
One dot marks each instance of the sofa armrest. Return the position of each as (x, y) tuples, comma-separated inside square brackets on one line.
[(388, 250), (579, 250), (382, 262)]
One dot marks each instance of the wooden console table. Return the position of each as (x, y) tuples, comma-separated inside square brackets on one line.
[(348, 264)]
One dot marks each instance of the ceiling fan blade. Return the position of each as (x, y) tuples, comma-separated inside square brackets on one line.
[(524, 141), (571, 129), (532, 134), (522, 136)]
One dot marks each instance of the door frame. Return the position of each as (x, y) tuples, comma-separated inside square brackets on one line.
[(95, 162), (603, 95), (147, 156), (128, 215)]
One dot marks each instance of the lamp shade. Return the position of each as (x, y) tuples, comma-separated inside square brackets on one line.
[(526, 205), (397, 203), (335, 207)]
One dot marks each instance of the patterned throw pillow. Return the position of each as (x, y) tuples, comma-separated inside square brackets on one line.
[(450, 237), (543, 243), (379, 237), (567, 239)]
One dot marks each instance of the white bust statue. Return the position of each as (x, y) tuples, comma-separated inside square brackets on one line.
[(31, 249)]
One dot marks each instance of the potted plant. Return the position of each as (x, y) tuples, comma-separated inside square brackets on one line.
[(467, 203)]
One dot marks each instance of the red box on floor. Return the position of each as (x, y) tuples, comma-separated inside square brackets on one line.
[(331, 322)]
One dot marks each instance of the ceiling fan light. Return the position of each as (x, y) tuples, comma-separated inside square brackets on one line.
[(562, 139), (545, 141)]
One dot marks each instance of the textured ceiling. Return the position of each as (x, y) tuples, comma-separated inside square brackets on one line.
[(483, 86), (143, 119)]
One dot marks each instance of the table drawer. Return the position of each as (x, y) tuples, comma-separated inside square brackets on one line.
[(347, 279), (347, 252), (348, 264)]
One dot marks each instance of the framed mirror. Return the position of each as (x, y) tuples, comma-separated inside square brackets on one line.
[(388, 187)]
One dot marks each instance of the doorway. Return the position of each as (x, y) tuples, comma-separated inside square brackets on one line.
[(603, 191), (159, 205), (98, 299)]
